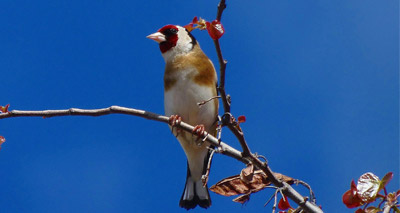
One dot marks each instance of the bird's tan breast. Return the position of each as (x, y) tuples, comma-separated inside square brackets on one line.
[(205, 72)]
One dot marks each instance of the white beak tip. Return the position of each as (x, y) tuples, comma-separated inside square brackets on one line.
[(158, 37)]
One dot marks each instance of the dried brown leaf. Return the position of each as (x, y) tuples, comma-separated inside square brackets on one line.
[(234, 185), (242, 198), (247, 173)]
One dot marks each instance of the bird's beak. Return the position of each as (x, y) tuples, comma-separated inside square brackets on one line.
[(158, 37)]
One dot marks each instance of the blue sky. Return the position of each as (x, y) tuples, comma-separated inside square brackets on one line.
[(318, 82)]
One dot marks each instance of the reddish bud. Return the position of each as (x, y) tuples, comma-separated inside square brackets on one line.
[(194, 21), (2, 140), (242, 119), (215, 29), (4, 109), (284, 203)]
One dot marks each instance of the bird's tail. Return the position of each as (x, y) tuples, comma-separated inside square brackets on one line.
[(194, 194)]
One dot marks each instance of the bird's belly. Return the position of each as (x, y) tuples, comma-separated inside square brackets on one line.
[(183, 98)]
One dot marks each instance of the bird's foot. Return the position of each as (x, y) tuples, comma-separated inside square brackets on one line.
[(175, 120), (199, 130)]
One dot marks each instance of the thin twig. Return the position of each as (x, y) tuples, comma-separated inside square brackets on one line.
[(206, 175), (221, 7), (219, 128), (237, 132), (312, 195), (208, 100), (269, 200), (221, 84), (275, 201), (261, 156)]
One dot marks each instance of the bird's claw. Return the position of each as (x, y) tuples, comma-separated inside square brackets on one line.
[(199, 130), (175, 120)]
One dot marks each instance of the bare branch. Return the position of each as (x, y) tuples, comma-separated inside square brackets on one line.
[(221, 7), (221, 87), (226, 102), (223, 147), (205, 176), (312, 195), (275, 201)]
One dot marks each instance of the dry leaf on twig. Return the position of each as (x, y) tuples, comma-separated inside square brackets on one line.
[(235, 185)]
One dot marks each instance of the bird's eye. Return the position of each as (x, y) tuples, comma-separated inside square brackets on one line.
[(170, 31)]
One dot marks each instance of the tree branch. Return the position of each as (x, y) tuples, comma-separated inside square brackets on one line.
[(223, 148), (226, 102), (221, 8)]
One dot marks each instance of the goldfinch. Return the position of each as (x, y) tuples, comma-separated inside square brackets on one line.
[(189, 79)]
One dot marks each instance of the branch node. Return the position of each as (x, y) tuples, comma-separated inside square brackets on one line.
[(226, 118), (229, 99)]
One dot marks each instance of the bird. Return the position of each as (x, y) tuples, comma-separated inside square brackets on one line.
[(189, 78)]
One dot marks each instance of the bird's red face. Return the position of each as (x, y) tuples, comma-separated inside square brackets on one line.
[(167, 37)]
